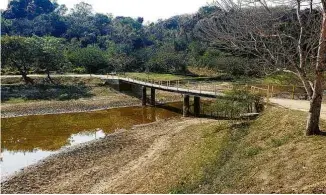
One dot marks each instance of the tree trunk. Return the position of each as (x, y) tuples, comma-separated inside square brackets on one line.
[(48, 75), (315, 107), (23, 72), (315, 102), (306, 84), (26, 78)]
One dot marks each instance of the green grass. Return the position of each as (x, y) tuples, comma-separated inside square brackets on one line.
[(157, 76), (268, 155), (13, 90), (282, 79)]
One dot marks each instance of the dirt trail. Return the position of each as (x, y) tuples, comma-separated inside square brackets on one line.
[(118, 163), (302, 105)]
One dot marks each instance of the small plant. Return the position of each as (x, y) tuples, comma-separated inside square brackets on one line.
[(79, 70), (279, 142), (252, 151)]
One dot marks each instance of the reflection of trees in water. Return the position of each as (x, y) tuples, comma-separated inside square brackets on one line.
[(52, 132)]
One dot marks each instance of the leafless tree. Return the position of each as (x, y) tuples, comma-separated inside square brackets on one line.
[(284, 35)]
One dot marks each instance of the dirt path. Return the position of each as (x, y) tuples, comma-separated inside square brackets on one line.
[(118, 163), (302, 105)]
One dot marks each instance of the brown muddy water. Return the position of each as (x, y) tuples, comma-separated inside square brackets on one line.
[(28, 139)]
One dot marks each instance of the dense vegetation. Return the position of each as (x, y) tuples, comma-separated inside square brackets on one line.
[(43, 36)]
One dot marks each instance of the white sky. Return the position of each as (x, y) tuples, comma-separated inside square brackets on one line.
[(151, 10)]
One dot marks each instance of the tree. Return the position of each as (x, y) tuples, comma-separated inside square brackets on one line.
[(28, 8), (48, 53), (283, 36), (18, 53)]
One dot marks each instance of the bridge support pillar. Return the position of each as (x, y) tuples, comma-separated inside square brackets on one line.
[(143, 95), (153, 96), (185, 105), (196, 105)]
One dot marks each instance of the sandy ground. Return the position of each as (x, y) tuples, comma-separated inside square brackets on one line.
[(55, 107), (118, 163), (302, 105)]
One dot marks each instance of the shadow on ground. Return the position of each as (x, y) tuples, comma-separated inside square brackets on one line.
[(44, 92)]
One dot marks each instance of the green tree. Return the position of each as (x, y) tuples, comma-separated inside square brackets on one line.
[(18, 53), (48, 53)]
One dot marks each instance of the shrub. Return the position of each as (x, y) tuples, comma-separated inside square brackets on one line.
[(237, 102)]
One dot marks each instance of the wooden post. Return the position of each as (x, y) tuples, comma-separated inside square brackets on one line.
[(144, 96), (272, 93), (153, 96), (293, 92), (185, 105), (196, 105), (268, 94)]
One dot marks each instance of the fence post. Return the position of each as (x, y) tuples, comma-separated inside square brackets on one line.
[(293, 92), (268, 94), (272, 91)]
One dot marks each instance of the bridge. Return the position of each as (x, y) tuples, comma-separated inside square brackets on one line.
[(154, 85), (166, 86)]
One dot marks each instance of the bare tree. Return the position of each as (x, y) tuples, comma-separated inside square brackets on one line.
[(285, 36)]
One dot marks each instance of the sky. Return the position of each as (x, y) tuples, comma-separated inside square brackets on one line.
[(151, 10)]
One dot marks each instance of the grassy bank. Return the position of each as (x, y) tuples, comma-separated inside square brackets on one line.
[(68, 94), (155, 76), (269, 155), (64, 88)]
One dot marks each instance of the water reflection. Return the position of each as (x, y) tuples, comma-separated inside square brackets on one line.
[(25, 140)]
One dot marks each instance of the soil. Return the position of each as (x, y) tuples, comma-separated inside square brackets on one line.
[(56, 107)]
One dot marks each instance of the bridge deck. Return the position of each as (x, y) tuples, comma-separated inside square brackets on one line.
[(209, 94)]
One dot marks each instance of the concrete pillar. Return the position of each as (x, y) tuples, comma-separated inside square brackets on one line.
[(153, 96), (143, 95), (186, 105), (196, 105)]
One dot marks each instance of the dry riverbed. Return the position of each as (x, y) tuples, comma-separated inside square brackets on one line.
[(128, 161)]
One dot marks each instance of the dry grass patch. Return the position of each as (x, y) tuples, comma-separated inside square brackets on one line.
[(269, 155)]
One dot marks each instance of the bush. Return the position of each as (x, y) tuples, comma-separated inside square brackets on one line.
[(91, 58), (237, 102), (79, 70)]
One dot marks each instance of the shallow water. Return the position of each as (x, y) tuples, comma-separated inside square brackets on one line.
[(28, 139)]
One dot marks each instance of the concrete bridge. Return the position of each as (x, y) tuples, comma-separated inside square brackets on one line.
[(166, 86), (153, 85)]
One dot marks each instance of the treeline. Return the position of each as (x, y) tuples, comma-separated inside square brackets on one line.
[(43, 36)]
